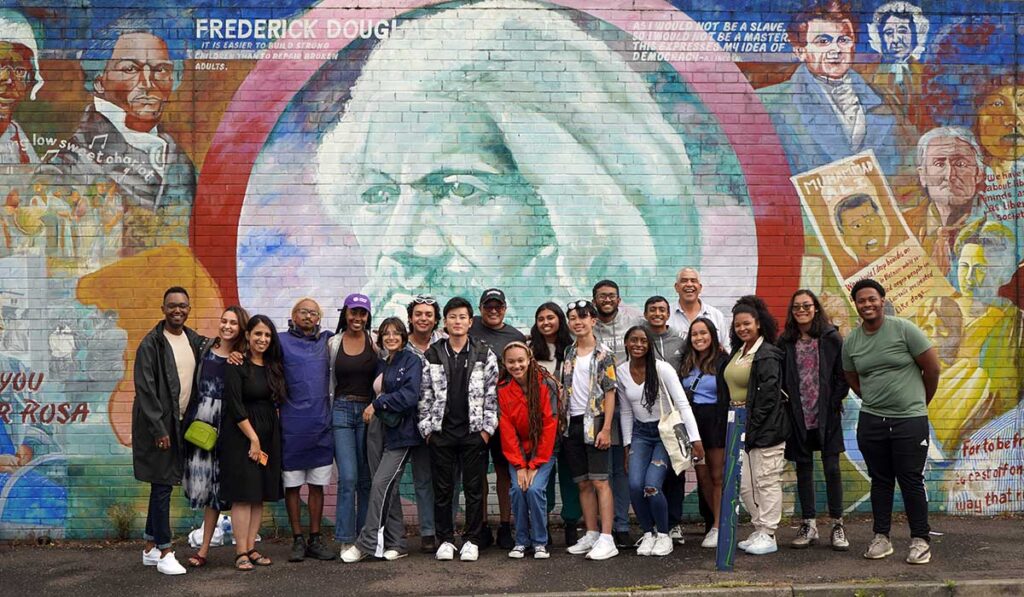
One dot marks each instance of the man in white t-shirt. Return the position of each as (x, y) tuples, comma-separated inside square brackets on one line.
[(165, 364)]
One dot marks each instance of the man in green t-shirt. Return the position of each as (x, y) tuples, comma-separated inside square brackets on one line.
[(894, 368)]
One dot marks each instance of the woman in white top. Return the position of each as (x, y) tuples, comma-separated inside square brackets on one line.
[(645, 385)]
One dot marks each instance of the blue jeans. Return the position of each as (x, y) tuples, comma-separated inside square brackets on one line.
[(648, 467), (620, 488), (530, 508), (353, 469)]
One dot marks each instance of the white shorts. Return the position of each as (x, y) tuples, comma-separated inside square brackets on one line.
[(320, 475)]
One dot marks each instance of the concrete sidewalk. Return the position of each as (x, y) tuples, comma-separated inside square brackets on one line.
[(973, 556)]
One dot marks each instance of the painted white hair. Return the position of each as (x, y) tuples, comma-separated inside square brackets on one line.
[(16, 30), (539, 76), (954, 132), (899, 7)]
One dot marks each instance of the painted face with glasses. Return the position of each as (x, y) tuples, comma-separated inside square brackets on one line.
[(15, 72)]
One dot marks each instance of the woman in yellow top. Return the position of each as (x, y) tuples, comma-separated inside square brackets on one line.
[(752, 381)]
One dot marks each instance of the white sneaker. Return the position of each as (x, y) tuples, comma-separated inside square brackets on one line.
[(676, 534), (518, 552), (746, 542), (662, 545), (645, 545), (445, 552), (710, 540), (151, 557), (393, 554), (169, 565), (603, 550), (764, 543), (352, 555), (585, 544), (540, 552), (469, 552)]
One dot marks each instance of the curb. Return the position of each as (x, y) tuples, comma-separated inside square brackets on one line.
[(965, 588)]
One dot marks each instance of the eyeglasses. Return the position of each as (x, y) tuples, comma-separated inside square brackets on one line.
[(424, 299), (308, 312), (16, 73), (798, 307), (580, 304), (493, 307)]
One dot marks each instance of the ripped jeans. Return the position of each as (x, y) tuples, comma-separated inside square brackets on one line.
[(648, 467)]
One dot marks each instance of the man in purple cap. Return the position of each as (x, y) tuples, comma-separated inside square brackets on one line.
[(307, 444), (490, 328)]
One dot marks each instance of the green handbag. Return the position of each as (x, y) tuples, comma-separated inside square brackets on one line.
[(201, 434)]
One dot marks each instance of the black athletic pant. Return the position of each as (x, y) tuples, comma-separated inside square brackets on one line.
[(445, 453), (805, 480), (895, 450)]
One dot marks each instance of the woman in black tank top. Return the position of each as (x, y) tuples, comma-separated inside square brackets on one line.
[(354, 366)]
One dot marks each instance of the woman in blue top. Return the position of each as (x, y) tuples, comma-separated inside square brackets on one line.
[(397, 406), (703, 358)]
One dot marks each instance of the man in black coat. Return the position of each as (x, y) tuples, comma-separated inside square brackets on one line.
[(165, 364)]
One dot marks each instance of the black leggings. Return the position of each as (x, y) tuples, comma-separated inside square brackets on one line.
[(805, 480), (895, 450)]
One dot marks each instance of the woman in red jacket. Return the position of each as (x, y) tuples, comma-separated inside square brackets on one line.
[(528, 405)]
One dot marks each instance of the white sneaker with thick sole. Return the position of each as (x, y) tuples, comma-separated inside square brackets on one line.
[(920, 551), (746, 542), (764, 544), (393, 554), (469, 552), (645, 545), (676, 534), (352, 555), (540, 552), (518, 552), (169, 565), (151, 557), (585, 544), (603, 549), (662, 545), (445, 552), (710, 540)]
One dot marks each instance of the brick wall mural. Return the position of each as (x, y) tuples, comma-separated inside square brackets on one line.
[(256, 155)]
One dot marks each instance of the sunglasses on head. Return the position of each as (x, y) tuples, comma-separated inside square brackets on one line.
[(580, 304), (424, 299)]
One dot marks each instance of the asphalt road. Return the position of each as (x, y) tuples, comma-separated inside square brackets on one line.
[(968, 549)]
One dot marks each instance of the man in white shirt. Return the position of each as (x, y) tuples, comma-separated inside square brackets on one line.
[(690, 307), (165, 364)]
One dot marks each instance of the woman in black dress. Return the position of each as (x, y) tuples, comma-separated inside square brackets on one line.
[(251, 447)]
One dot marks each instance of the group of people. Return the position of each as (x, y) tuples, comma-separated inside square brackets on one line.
[(579, 402)]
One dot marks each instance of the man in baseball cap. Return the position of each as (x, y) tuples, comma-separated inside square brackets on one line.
[(490, 328)]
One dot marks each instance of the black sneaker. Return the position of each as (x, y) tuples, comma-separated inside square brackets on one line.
[(298, 552), (318, 551), (505, 539), (428, 544), (486, 537), (572, 536), (622, 539)]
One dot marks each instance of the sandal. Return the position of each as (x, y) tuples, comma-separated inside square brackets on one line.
[(197, 561), (259, 559), (243, 565)]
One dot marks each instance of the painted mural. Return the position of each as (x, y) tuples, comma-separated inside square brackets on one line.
[(255, 156)]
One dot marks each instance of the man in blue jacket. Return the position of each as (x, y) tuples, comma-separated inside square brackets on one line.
[(307, 443)]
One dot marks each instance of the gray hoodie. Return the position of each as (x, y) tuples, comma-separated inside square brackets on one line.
[(668, 346)]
